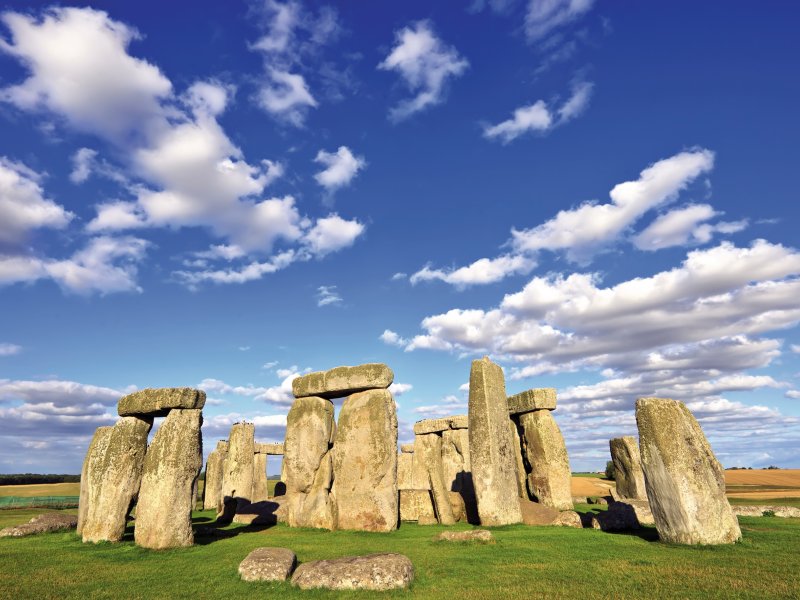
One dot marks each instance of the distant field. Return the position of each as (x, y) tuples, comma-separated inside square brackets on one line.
[(41, 489)]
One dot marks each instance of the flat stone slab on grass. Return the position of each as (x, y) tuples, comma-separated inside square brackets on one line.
[(530, 400), (157, 402), (790, 512), (482, 536), (268, 564), (343, 381), (43, 523), (385, 571)]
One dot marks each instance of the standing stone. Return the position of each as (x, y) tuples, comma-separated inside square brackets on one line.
[(549, 481), (237, 480), (491, 446), (172, 464), (405, 462), (114, 479), (685, 482), (455, 458), (94, 458), (212, 490), (628, 473), (430, 449), (343, 381), (365, 463), (260, 486), (417, 505), (522, 488), (307, 460)]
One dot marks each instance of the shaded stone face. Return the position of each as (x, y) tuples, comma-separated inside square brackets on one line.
[(343, 381), (550, 478), (522, 487), (212, 490), (365, 463), (260, 489), (685, 482), (171, 467), (94, 457), (628, 473), (429, 448), (237, 479), (529, 400), (371, 572), (157, 402), (113, 477), (491, 446)]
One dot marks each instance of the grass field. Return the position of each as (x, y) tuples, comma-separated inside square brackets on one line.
[(41, 489)]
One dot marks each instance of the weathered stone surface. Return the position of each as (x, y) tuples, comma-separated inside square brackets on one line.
[(407, 448), (482, 536), (431, 426), (267, 512), (549, 481), (535, 513), (405, 463), (212, 490), (416, 505), (628, 474), (365, 463), (95, 456), (618, 517), (172, 464), (455, 459), (580, 500), (459, 421), (308, 461), (685, 482), (458, 506), (268, 564), (429, 448), (522, 487), (260, 488), (343, 381), (237, 478), (114, 476), (640, 508), (273, 449), (419, 471), (157, 402), (385, 571), (784, 512), (45, 523), (568, 518), (491, 446), (530, 400)]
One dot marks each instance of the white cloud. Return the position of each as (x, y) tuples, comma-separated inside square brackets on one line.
[(545, 16), (332, 233), (327, 294), (280, 394), (426, 64), (393, 339), (7, 349), (398, 389), (340, 168), (481, 272), (682, 226), (251, 271), (794, 394), (286, 96), (399, 276), (82, 164), (577, 103), (796, 348), (449, 405), (270, 365), (117, 216)]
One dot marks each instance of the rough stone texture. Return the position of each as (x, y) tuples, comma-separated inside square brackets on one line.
[(640, 508), (274, 449), (365, 463), (419, 471), (459, 421), (549, 481), (431, 426), (534, 513), (580, 500), (458, 506), (685, 482), (45, 523), (308, 461), (405, 463), (343, 381), (260, 488), (237, 478), (784, 512), (491, 446), (267, 512), (455, 458), (522, 487), (157, 402), (568, 518), (429, 449), (385, 571), (618, 517), (172, 464), (114, 476), (212, 490), (416, 505), (407, 448), (628, 473), (268, 564), (530, 400), (482, 536), (95, 456)]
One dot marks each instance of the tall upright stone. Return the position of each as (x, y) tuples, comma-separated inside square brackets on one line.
[(212, 490), (365, 463), (171, 467), (628, 474), (684, 480), (237, 479), (90, 480), (549, 481), (491, 446), (260, 485), (114, 480), (429, 446), (455, 458), (307, 462)]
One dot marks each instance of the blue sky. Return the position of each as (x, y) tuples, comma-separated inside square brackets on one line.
[(600, 196)]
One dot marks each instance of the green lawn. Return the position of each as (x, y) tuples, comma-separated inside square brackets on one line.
[(526, 562)]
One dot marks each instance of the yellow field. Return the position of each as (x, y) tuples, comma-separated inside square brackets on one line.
[(41, 489)]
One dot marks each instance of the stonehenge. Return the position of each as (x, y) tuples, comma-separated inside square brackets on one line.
[(628, 474), (212, 491)]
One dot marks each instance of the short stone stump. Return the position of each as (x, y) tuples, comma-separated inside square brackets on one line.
[(385, 571), (481, 536), (268, 564), (43, 523)]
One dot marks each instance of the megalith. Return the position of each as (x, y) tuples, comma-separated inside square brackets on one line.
[(429, 447), (212, 491), (171, 466), (307, 463), (157, 402), (343, 381), (491, 446), (550, 478), (260, 485), (95, 456), (114, 476), (628, 474), (237, 479), (522, 487), (365, 463), (684, 480)]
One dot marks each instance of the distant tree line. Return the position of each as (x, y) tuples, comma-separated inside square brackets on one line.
[(28, 478), (769, 468)]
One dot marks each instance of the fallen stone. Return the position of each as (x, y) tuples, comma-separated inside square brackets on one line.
[(684, 480), (784, 512), (260, 485), (274, 449), (212, 490), (640, 508), (417, 505), (237, 478), (580, 500), (491, 446), (481, 536), (365, 463), (95, 455), (44, 523), (343, 381), (618, 517), (535, 513), (431, 426), (568, 518), (385, 571), (157, 402), (628, 475), (550, 478), (429, 448), (114, 479), (268, 564), (172, 464), (530, 400)]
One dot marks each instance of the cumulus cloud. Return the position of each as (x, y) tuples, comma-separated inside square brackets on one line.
[(286, 95), (545, 16), (392, 338), (481, 272), (331, 234), (449, 405), (340, 168), (280, 394), (398, 389), (426, 64), (327, 295), (682, 226)]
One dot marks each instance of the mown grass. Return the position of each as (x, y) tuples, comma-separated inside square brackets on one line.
[(41, 489), (525, 562)]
